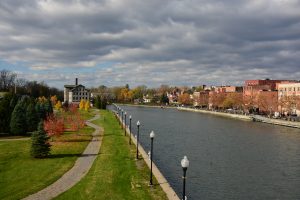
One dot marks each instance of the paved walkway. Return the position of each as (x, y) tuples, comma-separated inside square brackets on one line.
[(79, 170), (14, 139)]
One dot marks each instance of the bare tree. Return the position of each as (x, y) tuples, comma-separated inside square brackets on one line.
[(7, 80)]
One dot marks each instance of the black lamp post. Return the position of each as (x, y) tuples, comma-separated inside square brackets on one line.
[(152, 135), (125, 122), (137, 139), (130, 129), (122, 119), (119, 116), (184, 164)]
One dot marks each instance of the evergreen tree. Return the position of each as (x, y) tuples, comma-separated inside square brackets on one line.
[(164, 99), (40, 147), (40, 109), (103, 103), (18, 120), (13, 102), (48, 107), (31, 117), (5, 113), (98, 102)]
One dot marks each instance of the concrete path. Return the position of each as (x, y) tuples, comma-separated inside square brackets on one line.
[(14, 139), (79, 170)]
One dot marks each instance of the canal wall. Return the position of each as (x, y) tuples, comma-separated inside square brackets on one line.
[(146, 106), (279, 122), (255, 118), (235, 116), (164, 184)]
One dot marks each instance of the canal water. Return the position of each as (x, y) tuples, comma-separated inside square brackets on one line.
[(229, 159)]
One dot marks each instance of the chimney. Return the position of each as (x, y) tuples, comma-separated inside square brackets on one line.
[(76, 81)]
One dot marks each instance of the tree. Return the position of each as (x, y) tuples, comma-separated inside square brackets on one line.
[(164, 99), (87, 106), (32, 119), (81, 104), (53, 100), (40, 109), (5, 113), (7, 80), (98, 102), (48, 107), (18, 120), (58, 105), (185, 99), (54, 125), (40, 147)]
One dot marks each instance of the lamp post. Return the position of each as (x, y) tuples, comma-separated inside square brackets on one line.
[(152, 135), (119, 116), (137, 139), (125, 122), (130, 129), (184, 164), (122, 119)]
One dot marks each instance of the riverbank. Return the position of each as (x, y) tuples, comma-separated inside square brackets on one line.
[(235, 116), (255, 118), (161, 180), (115, 173), (146, 106), (278, 122)]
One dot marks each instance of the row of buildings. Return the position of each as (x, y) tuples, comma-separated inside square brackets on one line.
[(265, 96)]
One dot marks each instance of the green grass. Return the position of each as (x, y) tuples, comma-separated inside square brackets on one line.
[(21, 175), (115, 174), (87, 114)]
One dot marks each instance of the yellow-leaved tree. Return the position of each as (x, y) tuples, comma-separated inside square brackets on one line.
[(87, 105), (58, 105), (81, 104)]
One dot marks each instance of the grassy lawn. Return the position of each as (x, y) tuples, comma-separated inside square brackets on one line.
[(21, 175), (115, 174), (87, 114)]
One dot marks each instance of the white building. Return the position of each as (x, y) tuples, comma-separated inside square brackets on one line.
[(74, 93), (290, 92)]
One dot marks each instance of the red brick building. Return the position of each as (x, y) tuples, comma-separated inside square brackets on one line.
[(262, 94)]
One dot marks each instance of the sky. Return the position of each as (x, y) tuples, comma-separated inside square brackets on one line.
[(136, 42)]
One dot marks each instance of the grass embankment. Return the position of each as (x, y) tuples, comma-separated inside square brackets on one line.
[(21, 175), (115, 174)]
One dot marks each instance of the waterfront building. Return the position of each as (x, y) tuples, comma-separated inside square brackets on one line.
[(74, 93), (255, 91), (289, 98), (201, 98)]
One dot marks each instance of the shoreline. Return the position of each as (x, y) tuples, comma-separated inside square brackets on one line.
[(146, 106), (253, 118), (234, 116)]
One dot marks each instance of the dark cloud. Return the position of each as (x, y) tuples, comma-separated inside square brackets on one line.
[(183, 42)]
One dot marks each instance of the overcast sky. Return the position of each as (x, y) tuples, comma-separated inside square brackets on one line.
[(182, 42)]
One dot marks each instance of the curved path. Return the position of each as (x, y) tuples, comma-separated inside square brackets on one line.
[(77, 172)]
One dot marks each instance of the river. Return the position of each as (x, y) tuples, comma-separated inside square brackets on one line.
[(229, 159)]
